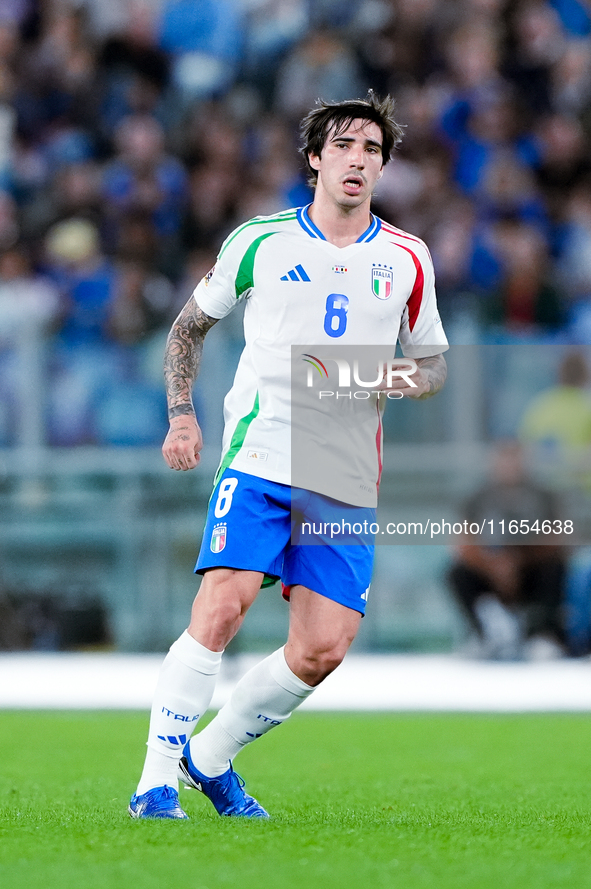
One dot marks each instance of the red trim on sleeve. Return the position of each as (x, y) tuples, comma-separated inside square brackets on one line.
[(416, 297), (389, 229)]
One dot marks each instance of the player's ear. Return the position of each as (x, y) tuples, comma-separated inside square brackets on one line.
[(314, 161)]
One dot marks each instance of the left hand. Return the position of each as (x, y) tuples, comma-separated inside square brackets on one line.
[(402, 383), (428, 377)]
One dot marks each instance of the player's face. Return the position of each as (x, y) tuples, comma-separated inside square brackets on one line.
[(350, 164)]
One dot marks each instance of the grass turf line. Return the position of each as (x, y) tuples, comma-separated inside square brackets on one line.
[(417, 801)]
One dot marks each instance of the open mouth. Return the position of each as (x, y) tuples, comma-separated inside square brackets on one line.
[(353, 183)]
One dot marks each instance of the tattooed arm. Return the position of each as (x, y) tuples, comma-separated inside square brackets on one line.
[(429, 378), (182, 360)]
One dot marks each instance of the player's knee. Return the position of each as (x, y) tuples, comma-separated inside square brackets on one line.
[(329, 661), (220, 605), (226, 587), (225, 609), (317, 664)]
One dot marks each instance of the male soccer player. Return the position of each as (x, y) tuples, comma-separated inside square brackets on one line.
[(308, 276)]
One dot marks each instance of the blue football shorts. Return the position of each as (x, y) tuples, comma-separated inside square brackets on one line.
[(292, 535)]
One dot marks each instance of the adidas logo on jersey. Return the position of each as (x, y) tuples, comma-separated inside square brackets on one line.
[(297, 274)]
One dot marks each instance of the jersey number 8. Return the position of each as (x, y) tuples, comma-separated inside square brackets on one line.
[(335, 320)]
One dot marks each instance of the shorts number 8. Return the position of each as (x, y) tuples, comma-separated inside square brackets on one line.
[(224, 501)]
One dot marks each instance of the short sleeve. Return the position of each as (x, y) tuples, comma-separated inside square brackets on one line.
[(222, 288), (421, 331)]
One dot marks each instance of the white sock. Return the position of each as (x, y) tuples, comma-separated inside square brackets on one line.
[(183, 693), (263, 699)]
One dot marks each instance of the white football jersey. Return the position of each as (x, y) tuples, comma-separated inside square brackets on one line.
[(301, 289)]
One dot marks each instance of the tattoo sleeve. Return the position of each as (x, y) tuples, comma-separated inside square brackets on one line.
[(435, 368), (182, 357)]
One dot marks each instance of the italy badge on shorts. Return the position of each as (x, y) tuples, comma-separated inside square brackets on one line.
[(218, 538)]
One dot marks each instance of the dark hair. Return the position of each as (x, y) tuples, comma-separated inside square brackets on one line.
[(336, 117)]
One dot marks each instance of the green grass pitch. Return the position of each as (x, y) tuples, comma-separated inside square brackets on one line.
[(372, 800)]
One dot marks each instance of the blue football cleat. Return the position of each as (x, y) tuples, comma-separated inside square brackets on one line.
[(159, 802), (226, 791)]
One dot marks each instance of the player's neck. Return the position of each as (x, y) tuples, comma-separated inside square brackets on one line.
[(340, 226)]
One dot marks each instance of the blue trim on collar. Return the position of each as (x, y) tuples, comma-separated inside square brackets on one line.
[(304, 220), (307, 224), (374, 227)]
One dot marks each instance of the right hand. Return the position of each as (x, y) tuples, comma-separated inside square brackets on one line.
[(183, 443)]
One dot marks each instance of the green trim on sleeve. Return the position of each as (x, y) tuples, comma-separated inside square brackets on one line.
[(245, 274), (283, 216)]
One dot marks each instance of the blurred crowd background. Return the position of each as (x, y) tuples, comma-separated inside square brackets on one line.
[(136, 134)]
